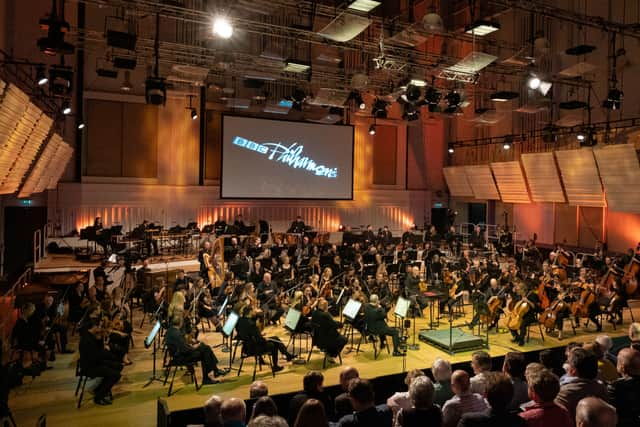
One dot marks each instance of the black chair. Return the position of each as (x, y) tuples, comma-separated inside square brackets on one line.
[(82, 383), (314, 343), (373, 339), (250, 348), (175, 362)]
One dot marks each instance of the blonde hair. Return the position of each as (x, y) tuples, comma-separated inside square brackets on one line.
[(177, 305)]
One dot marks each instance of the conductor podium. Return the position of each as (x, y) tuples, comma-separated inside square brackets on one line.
[(451, 340)]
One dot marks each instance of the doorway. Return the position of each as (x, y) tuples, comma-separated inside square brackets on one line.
[(19, 226), (478, 213)]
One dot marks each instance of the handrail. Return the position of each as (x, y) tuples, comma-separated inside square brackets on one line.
[(25, 277), (37, 245)]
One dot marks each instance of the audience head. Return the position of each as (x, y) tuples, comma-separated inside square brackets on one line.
[(361, 394), (311, 414), (233, 409), (342, 406), (460, 382), (634, 335), (441, 370), (258, 389), (514, 364), (594, 412), (532, 369), (212, 411), (312, 382), (412, 375), (629, 362), (605, 342), (594, 348), (499, 391), (267, 421), (480, 362), (543, 386), (582, 364), (346, 375), (264, 406), (421, 392), (323, 304)]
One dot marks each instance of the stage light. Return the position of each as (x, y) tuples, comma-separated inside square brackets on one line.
[(81, 125), (614, 99), (506, 146), (358, 101), (155, 91), (451, 150), (60, 80), (581, 136), (372, 130), (587, 138), (66, 108), (295, 66), (126, 82), (534, 82), (41, 77), (379, 109), (222, 27), (503, 96), (482, 28), (411, 94), (194, 114), (417, 82), (365, 6), (410, 113)]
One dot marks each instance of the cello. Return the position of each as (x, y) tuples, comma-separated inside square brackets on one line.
[(549, 317), (630, 272), (580, 308)]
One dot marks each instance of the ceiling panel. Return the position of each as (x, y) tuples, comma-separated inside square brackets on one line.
[(580, 177), (543, 177), (510, 181), (620, 175), (482, 183)]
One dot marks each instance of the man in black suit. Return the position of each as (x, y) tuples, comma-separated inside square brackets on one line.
[(255, 343), (239, 225), (477, 239), (366, 413), (328, 337), (624, 393), (385, 237), (297, 226), (499, 393), (374, 318), (369, 237)]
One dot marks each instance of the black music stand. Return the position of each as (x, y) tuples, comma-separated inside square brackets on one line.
[(227, 332), (148, 341), (291, 324), (350, 312)]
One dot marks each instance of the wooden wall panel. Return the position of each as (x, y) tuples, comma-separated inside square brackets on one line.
[(542, 177), (139, 140), (580, 177), (566, 224), (385, 149), (104, 138), (590, 226), (213, 145)]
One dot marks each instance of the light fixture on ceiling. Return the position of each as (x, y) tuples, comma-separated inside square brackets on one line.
[(222, 27), (503, 96), (365, 6), (506, 146), (126, 85), (433, 96), (41, 76), (66, 108), (56, 28), (482, 27), (417, 82), (194, 114), (454, 100), (372, 130), (451, 149), (411, 94), (60, 80), (534, 82), (614, 99), (508, 142), (379, 108), (581, 136), (359, 102), (410, 113), (81, 125), (587, 137), (295, 66)]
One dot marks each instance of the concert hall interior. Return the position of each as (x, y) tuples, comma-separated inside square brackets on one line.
[(204, 199)]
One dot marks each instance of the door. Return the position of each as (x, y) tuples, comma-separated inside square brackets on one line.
[(478, 213), (19, 225)]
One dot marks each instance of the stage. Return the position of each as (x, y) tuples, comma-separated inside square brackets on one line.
[(53, 392)]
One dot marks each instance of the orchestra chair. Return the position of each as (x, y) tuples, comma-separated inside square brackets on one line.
[(632, 304), (82, 383), (315, 344), (373, 339), (173, 364), (539, 330), (250, 348)]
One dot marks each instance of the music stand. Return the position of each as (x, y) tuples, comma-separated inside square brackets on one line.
[(151, 339), (350, 312), (227, 330), (291, 323), (225, 348)]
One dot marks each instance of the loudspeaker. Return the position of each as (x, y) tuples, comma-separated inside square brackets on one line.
[(439, 219)]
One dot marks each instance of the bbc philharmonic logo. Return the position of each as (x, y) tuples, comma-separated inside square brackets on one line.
[(291, 156)]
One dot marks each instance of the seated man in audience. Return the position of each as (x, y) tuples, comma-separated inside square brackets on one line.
[(634, 335), (499, 393), (422, 411), (594, 412), (258, 389), (543, 389), (463, 402), (606, 370), (514, 367), (624, 393), (212, 407), (233, 412), (481, 365), (312, 385), (606, 343), (342, 403), (401, 399), (366, 413), (441, 370), (583, 365)]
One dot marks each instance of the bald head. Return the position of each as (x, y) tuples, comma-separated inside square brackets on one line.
[(460, 382), (258, 389), (629, 362), (233, 409), (212, 411), (346, 375), (594, 412)]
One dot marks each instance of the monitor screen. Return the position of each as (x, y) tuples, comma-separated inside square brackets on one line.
[(279, 159)]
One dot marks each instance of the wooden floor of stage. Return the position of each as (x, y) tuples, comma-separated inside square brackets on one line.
[(64, 262), (53, 392)]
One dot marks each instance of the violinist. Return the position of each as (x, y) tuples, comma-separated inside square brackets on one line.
[(523, 294), (314, 265), (119, 325), (384, 236), (100, 289), (49, 317), (458, 285), (369, 236), (182, 281), (268, 296), (178, 310), (27, 334), (328, 336), (256, 272), (95, 359), (205, 306), (75, 298), (286, 269)]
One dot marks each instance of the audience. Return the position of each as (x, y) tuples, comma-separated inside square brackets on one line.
[(634, 335), (264, 406), (606, 370), (481, 365), (312, 385), (624, 393), (499, 394), (463, 402), (550, 359), (366, 414), (583, 366), (312, 414), (266, 421), (212, 408), (543, 387), (401, 399), (258, 389), (441, 370), (566, 378), (342, 403), (514, 367), (607, 344), (594, 412), (233, 412), (422, 411)]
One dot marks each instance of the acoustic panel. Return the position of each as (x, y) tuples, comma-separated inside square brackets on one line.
[(58, 164), (510, 182), (620, 175), (42, 171), (542, 177), (482, 183), (580, 177), (456, 179)]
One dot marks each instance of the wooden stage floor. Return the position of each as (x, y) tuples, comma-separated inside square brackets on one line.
[(53, 392)]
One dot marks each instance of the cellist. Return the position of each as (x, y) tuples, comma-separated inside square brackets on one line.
[(530, 316)]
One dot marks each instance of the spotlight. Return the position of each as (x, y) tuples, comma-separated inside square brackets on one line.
[(433, 96), (365, 6), (56, 28), (372, 130), (222, 27), (587, 138), (60, 79), (81, 125), (66, 108), (194, 114), (534, 82), (410, 113), (451, 150), (411, 94), (358, 101), (453, 102), (41, 77), (482, 28), (126, 82), (379, 109), (155, 91), (581, 136), (614, 99), (506, 146)]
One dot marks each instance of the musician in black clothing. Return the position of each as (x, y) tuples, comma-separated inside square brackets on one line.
[(530, 317), (47, 314), (148, 237), (375, 319), (267, 295), (297, 226), (477, 240), (183, 282), (206, 249), (458, 285), (254, 342), (75, 298), (95, 359), (412, 289), (327, 331), (101, 235), (239, 224), (593, 309), (453, 240), (369, 236), (480, 299), (100, 288), (385, 237), (27, 333)]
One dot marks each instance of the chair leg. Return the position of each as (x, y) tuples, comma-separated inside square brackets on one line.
[(375, 349), (78, 386), (167, 371), (324, 361), (194, 377), (241, 363), (255, 366), (144, 316), (309, 356), (541, 333), (340, 358), (173, 377), (84, 384)]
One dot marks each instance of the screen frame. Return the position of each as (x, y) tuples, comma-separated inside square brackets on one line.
[(353, 136)]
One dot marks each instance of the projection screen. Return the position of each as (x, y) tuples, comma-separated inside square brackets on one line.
[(279, 159)]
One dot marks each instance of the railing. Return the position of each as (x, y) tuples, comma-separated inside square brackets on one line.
[(22, 280), (1, 259)]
